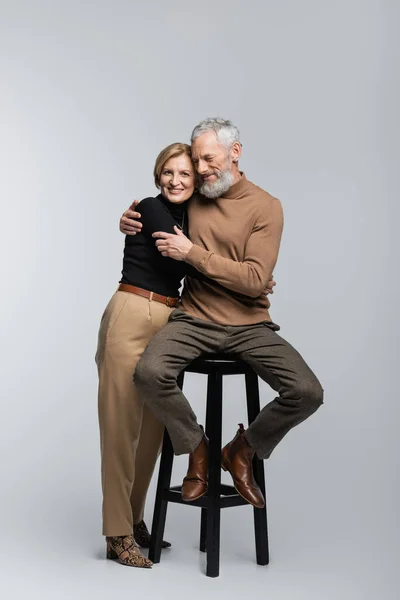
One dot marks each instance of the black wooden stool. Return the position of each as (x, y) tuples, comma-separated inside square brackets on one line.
[(218, 495)]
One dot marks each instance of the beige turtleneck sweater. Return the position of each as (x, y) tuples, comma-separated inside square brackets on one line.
[(235, 245)]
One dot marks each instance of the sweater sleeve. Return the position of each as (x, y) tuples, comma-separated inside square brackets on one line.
[(250, 276), (156, 217)]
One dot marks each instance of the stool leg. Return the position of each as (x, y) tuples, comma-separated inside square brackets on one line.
[(203, 523), (260, 514), (161, 504), (203, 529), (214, 433), (163, 484)]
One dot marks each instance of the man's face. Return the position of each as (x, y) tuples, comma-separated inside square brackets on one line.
[(213, 164)]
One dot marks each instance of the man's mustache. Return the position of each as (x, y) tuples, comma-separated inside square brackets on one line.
[(203, 175)]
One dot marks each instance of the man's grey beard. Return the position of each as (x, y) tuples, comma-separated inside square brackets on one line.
[(218, 187)]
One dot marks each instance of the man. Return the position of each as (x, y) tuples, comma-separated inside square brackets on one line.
[(235, 232)]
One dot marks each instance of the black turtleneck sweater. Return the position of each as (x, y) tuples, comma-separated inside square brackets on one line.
[(143, 266)]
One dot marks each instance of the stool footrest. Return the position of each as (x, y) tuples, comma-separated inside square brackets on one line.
[(229, 497), (226, 490)]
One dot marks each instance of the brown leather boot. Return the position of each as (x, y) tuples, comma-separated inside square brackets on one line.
[(195, 483), (236, 457)]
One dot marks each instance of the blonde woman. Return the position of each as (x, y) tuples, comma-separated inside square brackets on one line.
[(130, 434)]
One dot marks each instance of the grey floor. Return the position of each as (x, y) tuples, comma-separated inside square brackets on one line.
[(326, 542), (332, 495)]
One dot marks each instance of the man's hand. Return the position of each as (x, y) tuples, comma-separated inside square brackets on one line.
[(174, 246), (127, 223), (270, 287)]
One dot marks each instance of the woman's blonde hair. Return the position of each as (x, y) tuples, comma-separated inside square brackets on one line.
[(170, 151)]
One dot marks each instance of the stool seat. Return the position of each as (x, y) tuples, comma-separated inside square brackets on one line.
[(225, 364), (218, 495)]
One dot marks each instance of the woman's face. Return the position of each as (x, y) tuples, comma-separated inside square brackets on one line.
[(177, 179)]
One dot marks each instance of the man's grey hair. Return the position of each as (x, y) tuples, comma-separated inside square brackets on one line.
[(227, 133)]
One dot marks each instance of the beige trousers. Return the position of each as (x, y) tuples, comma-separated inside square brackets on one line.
[(130, 434)]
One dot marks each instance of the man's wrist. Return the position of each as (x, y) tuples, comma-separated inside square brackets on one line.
[(195, 256), (188, 250)]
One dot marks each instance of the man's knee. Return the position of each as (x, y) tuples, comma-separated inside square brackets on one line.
[(146, 372), (310, 394), (150, 373)]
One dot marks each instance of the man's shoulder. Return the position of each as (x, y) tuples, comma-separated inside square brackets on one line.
[(264, 201), (261, 194)]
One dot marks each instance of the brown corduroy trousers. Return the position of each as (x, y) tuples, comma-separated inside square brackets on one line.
[(130, 434)]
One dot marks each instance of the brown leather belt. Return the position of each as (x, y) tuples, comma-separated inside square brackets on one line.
[(170, 302)]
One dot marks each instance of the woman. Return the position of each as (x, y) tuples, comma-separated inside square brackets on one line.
[(130, 435)]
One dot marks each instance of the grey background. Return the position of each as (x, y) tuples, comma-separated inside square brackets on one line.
[(90, 92)]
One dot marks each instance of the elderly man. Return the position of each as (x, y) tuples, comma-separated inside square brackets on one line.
[(235, 230)]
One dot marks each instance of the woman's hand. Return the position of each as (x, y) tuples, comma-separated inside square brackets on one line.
[(127, 223), (270, 287), (174, 246)]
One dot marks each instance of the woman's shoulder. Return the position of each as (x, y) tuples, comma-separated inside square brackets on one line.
[(150, 201)]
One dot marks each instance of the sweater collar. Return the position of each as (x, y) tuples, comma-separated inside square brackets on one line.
[(238, 188), (176, 210)]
